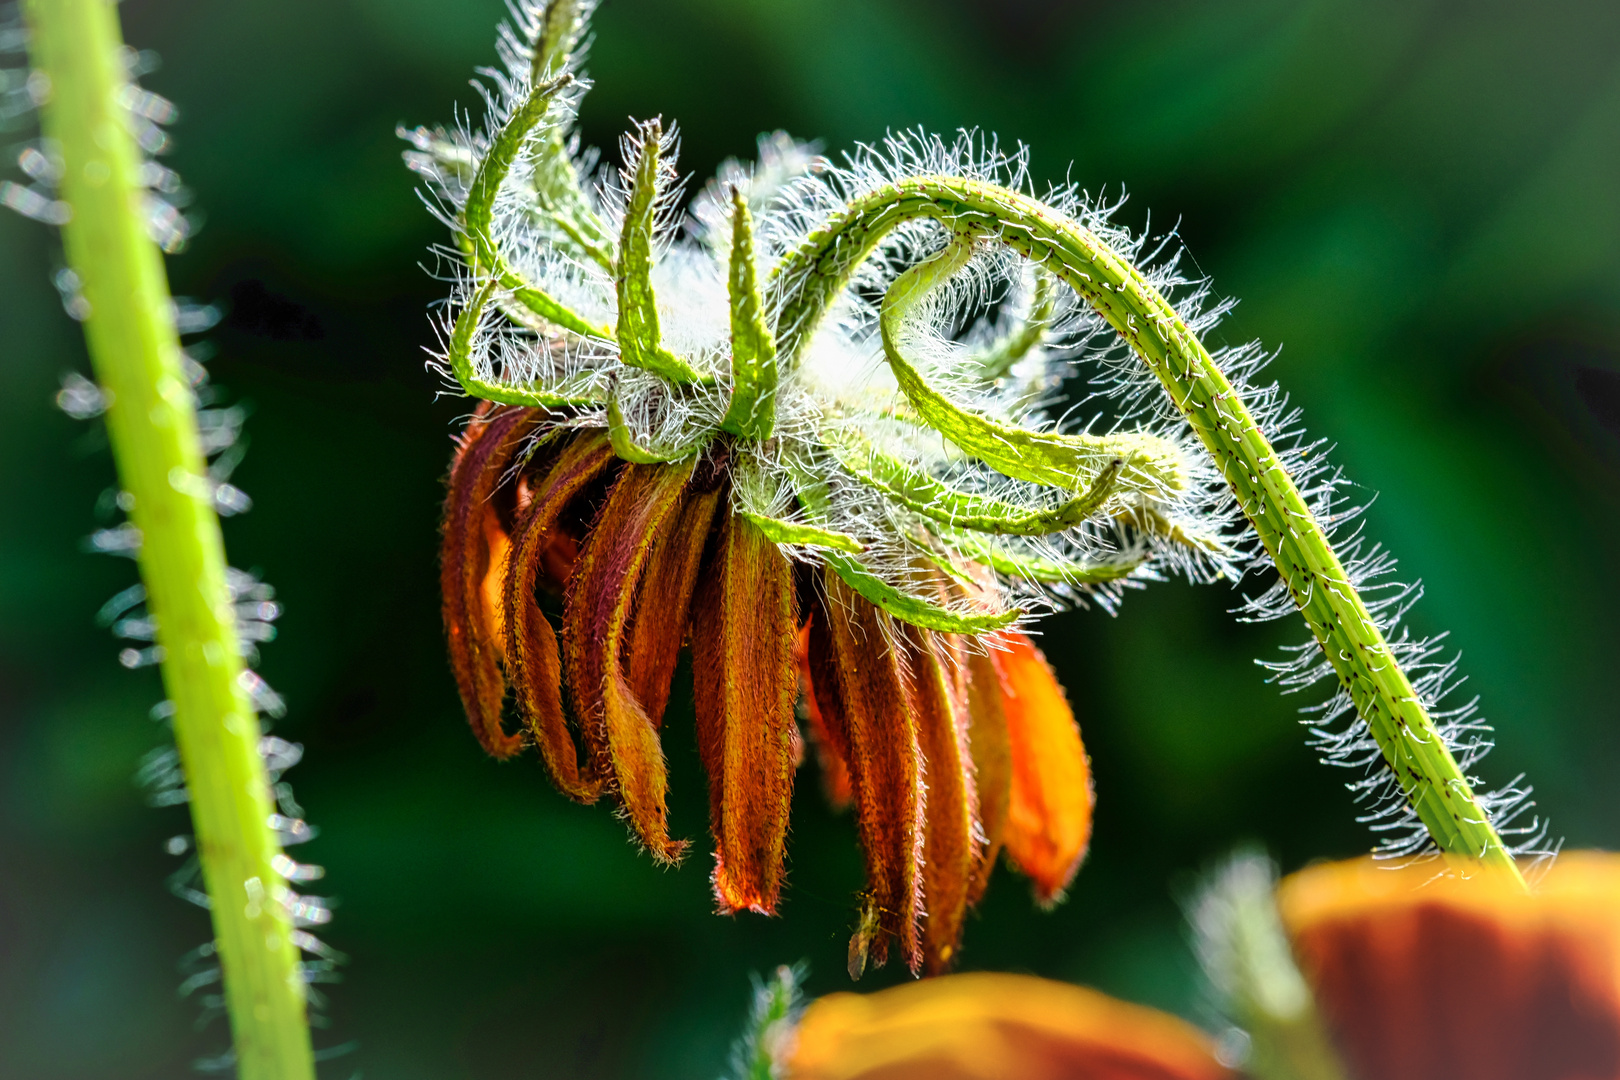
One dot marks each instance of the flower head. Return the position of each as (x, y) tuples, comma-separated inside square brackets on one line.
[(810, 432), (949, 753)]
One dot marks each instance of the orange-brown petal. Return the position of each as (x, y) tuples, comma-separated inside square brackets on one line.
[(1464, 976), (864, 693), (532, 656), (831, 755), (644, 501), (469, 576), (659, 627), (745, 682), (1050, 799), (991, 751), (995, 1027), (950, 847)]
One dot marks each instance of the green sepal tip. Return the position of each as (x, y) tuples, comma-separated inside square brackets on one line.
[(909, 608), (794, 532), (478, 214), (752, 411), (639, 336)]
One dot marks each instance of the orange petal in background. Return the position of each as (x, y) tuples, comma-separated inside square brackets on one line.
[(645, 500), (471, 530), (995, 1027), (1464, 976), (1050, 798), (532, 657), (745, 683)]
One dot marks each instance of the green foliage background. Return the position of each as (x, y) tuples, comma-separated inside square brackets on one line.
[(1419, 200)]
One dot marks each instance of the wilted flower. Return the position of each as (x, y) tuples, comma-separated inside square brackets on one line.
[(948, 752), (820, 420)]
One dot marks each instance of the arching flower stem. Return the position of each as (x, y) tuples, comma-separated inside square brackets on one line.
[(811, 276), (152, 425)]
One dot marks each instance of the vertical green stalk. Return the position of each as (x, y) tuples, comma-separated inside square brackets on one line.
[(153, 428)]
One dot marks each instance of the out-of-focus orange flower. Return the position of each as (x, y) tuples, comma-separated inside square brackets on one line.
[(1435, 971), (995, 1027), (1467, 976), (948, 752)]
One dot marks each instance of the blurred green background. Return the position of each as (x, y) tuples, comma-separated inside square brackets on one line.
[(1419, 201)]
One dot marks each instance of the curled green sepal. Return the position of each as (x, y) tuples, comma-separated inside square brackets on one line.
[(1071, 462), (938, 501), (559, 28), (556, 182), (461, 365), (909, 608), (813, 496), (477, 215), (1006, 351), (752, 412), (628, 449), (1032, 567), (556, 189), (793, 532), (640, 340), (1152, 521)]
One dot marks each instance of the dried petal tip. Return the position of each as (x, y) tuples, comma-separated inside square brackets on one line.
[(644, 500), (950, 847), (862, 691), (745, 681), (471, 561), (534, 661)]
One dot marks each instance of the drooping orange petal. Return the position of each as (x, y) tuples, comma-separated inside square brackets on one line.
[(1466, 976), (532, 656), (644, 501), (831, 755), (471, 530), (1050, 798), (950, 847), (557, 562), (860, 683), (745, 683), (991, 751), (659, 627), (995, 1027)]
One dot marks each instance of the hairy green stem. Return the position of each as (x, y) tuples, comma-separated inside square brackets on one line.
[(153, 428), (809, 277)]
